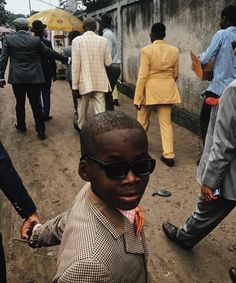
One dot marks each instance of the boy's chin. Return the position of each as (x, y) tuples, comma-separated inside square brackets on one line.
[(127, 206)]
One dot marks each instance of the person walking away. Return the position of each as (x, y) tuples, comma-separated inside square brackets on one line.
[(215, 174), (224, 70), (90, 55), (49, 70), (113, 71), (25, 72), (156, 87), (67, 52)]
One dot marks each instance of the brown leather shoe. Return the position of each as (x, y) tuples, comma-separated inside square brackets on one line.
[(170, 231), (232, 274), (168, 161)]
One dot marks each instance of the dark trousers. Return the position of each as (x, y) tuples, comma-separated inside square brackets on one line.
[(204, 219), (113, 73), (75, 98), (46, 97), (205, 114), (33, 93), (2, 263)]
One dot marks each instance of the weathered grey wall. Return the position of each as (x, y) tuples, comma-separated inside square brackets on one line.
[(136, 22), (190, 25)]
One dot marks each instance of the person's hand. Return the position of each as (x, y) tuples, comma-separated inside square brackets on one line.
[(138, 107), (2, 83), (28, 225), (65, 60), (207, 193)]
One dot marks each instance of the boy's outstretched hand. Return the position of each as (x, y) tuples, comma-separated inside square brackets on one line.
[(28, 225)]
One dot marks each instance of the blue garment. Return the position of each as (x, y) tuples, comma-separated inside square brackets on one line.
[(220, 48)]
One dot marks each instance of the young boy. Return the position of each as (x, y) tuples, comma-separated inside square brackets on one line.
[(97, 236)]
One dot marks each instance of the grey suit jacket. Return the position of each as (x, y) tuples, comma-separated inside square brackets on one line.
[(98, 244), (24, 51), (217, 167)]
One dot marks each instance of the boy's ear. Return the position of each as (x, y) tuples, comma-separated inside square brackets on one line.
[(83, 170)]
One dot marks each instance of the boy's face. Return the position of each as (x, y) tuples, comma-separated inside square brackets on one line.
[(117, 145)]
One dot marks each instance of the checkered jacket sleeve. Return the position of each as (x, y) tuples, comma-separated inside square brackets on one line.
[(50, 233)]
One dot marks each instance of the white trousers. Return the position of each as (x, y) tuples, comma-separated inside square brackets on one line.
[(98, 100)]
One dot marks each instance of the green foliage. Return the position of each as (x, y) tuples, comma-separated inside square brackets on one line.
[(3, 15)]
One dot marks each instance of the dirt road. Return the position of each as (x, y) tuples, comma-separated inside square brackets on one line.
[(49, 170)]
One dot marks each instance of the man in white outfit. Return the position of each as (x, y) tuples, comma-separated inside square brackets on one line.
[(90, 56)]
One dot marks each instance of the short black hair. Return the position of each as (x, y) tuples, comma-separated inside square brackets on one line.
[(229, 12), (102, 123), (158, 30), (73, 34)]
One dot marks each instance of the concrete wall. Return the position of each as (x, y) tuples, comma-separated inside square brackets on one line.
[(190, 25)]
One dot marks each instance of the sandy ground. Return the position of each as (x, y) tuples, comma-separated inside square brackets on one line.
[(49, 171)]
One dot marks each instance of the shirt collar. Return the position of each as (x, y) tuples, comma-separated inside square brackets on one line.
[(158, 41)]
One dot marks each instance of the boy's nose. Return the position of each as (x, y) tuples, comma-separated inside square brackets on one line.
[(131, 177)]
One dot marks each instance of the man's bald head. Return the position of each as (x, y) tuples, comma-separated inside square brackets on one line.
[(89, 24)]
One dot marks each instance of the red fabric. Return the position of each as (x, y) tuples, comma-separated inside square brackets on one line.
[(212, 101)]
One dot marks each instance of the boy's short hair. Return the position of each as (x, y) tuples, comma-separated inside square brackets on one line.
[(102, 123), (159, 30)]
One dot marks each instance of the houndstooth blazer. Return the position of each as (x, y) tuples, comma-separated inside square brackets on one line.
[(90, 55), (98, 244)]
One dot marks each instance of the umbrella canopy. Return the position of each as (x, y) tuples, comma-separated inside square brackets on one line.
[(57, 19), (4, 29)]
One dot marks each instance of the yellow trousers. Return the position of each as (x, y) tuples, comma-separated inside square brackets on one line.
[(164, 117)]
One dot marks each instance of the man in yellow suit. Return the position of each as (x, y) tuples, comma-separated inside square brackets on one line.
[(156, 87)]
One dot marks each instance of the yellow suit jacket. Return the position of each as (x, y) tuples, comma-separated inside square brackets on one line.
[(158, 71)]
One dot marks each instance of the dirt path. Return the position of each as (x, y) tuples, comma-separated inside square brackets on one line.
[(49, 170)]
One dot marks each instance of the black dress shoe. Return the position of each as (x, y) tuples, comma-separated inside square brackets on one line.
[(20, 129), (41, 136), (232, 274), (170, 231), (168, 161), (76, 127), (47, 118)]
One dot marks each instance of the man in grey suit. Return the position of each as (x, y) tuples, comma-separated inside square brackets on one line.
[(216, 174), (25, 72)]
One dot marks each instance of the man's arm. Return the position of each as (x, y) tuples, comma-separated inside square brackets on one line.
[(212, 49), (176, 67), (75, 65), (107, 59), (4, 58), (13, 188), (224, 138), (144, 68), (50, 53)]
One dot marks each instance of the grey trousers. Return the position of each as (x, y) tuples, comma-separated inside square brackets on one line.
[(204, 219)]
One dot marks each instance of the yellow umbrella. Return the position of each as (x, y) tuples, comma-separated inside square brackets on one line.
[(57, 19)]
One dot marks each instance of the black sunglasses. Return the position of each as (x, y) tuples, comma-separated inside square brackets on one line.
[(120, 169)]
